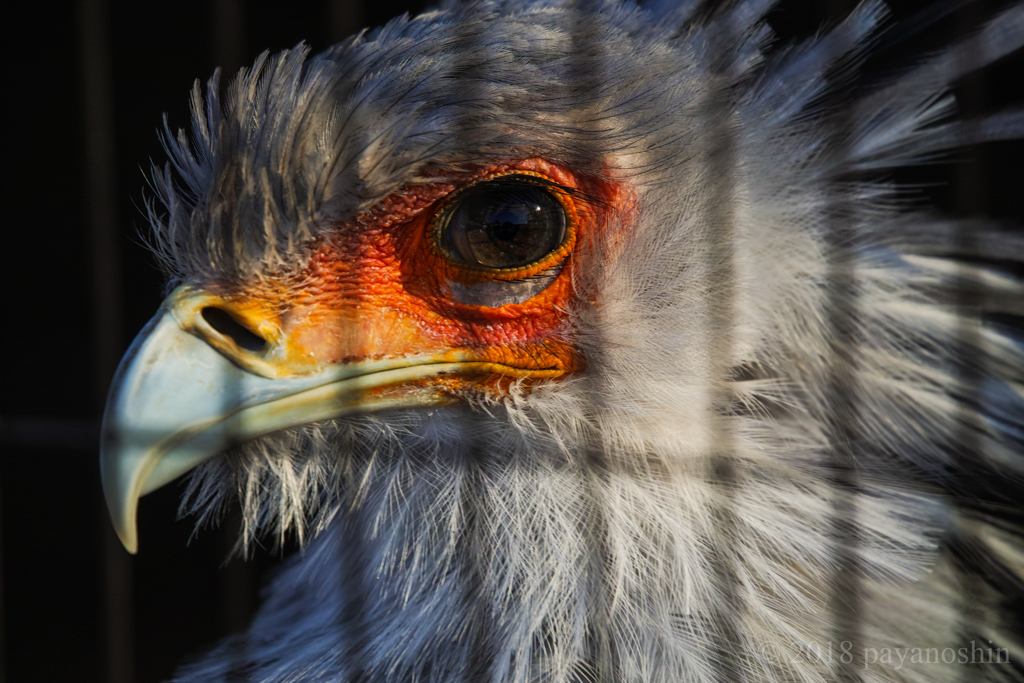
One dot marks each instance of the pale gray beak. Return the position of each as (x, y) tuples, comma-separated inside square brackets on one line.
[(176, 401)]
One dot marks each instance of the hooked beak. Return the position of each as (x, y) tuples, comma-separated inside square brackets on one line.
[(187, 390)]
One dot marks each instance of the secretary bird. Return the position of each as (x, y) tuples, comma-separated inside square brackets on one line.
[(590, 342)]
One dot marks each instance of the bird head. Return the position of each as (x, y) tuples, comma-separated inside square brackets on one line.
[(455, 288), (537, 311), (397, 224)]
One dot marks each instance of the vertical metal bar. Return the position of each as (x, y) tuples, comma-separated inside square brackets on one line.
[(841, 403), (235, 582), (970, 192), (479, 632), (229, 35), (723, 474), (350, 622), (344, 17), (100, 182), (842, 320), (235, 579), (584, 81)]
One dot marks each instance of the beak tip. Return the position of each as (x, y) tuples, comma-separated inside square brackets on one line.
[(123, 519), (129, 539)]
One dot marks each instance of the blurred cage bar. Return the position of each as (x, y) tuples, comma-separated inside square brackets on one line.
[(74, 603)]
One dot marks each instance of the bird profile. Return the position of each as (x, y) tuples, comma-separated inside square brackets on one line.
[(591, 342)]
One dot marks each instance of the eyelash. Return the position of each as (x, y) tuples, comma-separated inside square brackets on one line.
[(574, 193)]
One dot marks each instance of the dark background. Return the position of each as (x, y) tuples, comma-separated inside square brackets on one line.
[(86, 83)]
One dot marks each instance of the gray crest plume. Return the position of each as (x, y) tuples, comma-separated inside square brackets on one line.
[(789, 435)]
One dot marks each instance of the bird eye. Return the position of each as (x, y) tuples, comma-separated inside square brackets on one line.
[(505, 223)]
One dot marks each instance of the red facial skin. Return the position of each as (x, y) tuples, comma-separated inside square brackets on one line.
[(378, 288)]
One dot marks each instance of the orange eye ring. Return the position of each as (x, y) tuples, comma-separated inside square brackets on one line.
[(439, 222)]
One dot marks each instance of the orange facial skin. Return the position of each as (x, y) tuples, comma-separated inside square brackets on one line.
[(378, 288)]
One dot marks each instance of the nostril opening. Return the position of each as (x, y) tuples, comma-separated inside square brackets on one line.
[(222, 321)]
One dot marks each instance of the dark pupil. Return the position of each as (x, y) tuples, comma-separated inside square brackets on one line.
[(505, 224)]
